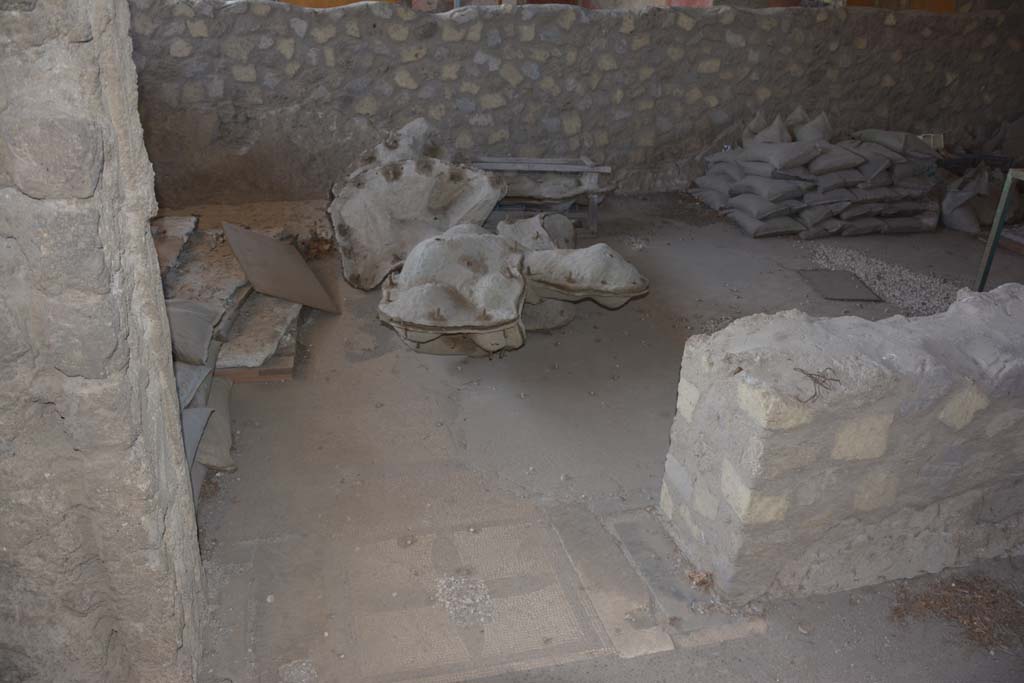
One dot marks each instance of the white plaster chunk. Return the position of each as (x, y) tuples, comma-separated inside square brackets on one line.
[(960, 408), (863, 438), (686, 401)]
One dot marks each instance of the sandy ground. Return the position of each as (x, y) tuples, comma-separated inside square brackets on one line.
[(405, 517)]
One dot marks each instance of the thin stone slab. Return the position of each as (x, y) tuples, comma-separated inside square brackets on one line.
[(188, 378), (838, 285), (193, 424), (170, 233), (261, 325), (207, 272), (191, 326), (215, 446), (277, 268)]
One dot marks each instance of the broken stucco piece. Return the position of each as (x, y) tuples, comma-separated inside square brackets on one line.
[(170, 233), (207, 272), (382, 211), (907, 462), (215, 447), (261, 324), (540, 232), (464, 282), (597, 272)]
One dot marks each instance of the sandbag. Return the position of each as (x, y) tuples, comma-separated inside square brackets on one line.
[(732, 154), (771, 189), (813, 215), (759, 207), (851, 177), (874, 166), (776, 132), (962, 219), (711, 198), (818, 129), (901, 142), (826, 228), (718, 183), (879, 194), (766, 170), (755, 126), (882, 179), (869, 150), (782, 155), (913, 167), (861, 210), (925, 221), (797, 117), (782, 225), (867, 225), (819, 198), (729, 169), (834, 158)]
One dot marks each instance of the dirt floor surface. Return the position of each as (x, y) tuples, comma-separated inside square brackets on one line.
[(401, 517)]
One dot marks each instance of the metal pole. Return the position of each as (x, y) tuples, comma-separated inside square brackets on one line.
[(997, 229)]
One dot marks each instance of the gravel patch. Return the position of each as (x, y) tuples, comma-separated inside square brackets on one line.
[(913, 293), (466, 599)]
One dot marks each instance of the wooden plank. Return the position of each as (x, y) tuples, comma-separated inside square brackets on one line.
[(277, 369)]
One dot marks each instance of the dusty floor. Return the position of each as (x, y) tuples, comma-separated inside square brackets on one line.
[(400, 517)]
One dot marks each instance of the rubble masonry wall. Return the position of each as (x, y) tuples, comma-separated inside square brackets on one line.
[(99, 567), (258, 100), (911, 461)]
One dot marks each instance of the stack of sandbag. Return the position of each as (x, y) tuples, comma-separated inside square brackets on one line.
[(791, 178), (971, 200)]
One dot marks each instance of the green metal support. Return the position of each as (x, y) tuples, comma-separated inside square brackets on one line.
[(997, 228)]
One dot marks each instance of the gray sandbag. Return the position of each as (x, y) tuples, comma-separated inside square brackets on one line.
[(833, 197), (851, 177), (962, 219), (829, 227), (712, 199), (733, 154), (818, 129), (781, 225), (769, 188), (813, 215), (797, 117), (915, 186), (729, 169), (834, 158), (766, 170), (908, 207), (880, 194), (775, 132), (755, 126), (883, 179), (913, 167), (867, 225), (926, 221), (869, 150), (718, 183), (191, 326), (782, 155), (861, 210), (759, 207), (215, 446), (874, 166), (901, 142)]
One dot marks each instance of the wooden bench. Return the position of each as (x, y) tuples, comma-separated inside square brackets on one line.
[(587, 170)]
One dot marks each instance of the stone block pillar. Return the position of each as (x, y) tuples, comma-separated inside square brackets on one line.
[(99, 570), (817, 455)]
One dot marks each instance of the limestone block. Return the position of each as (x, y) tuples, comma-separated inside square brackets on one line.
[(768, 408), (750, 507), (863, 438), (962, 406)]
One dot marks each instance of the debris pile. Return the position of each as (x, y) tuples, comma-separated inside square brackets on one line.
[(233, 298), (795, 177), (414, 222)]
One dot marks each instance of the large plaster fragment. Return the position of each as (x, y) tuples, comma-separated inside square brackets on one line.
[(540, 232), (382, 211), (461, 292), (597, 272), (255, 336)]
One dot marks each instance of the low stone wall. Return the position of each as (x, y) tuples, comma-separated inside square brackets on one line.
[(256, 100), (815, 455), (99, 564)]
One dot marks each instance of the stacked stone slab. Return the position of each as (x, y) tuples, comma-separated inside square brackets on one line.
[(789, 178), (100, 577), (816, 455)]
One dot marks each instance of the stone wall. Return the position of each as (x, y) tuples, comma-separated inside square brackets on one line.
[(906, 456), (99, 570), (256, 100)]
